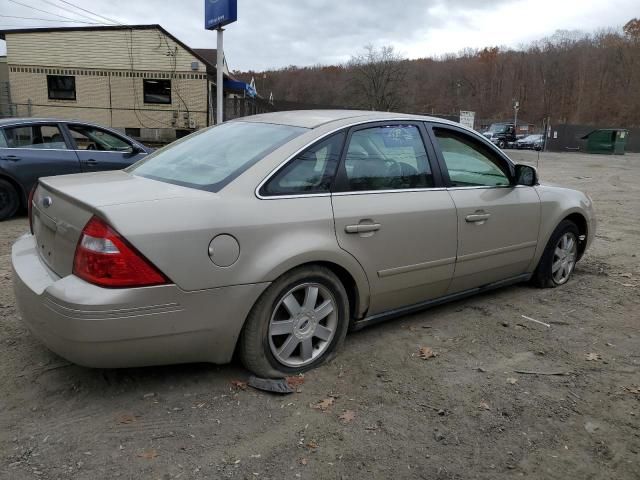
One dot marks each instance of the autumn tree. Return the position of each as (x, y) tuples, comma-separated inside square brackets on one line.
[(632, 29)]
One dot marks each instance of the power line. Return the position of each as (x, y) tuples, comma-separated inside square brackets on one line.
[(42, 11), (89, 11), (75, 13), (50, 20)]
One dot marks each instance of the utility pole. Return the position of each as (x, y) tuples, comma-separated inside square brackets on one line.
[(217, 14), (220, 77), (516, 107)]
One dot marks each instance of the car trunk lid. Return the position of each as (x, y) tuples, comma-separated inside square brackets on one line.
[(63, 205)]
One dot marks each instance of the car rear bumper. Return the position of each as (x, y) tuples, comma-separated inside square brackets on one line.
[(110, 328)]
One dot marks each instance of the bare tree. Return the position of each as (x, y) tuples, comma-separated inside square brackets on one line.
[(378, 77)]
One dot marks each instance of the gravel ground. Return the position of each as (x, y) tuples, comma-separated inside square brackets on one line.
[(464, 413)]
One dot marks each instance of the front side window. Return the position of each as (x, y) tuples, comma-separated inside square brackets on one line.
[(387, 158), (157, 91), (211, 158), (469, 163), (61, 87), (91, 138), (310, 172), (35, 136), (3, 140)]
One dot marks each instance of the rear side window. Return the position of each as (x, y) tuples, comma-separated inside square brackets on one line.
[(211, 158), (3, 140), (310, 172), (469, 163), (387, 158), (35, 136)]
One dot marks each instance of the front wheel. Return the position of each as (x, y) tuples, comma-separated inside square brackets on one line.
[(559, 257), (502, 144), (298, 323)]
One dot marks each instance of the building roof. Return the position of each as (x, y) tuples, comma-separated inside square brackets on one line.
[(205, 55), (209, 54)]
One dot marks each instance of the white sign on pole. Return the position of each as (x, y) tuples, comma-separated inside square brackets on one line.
[(467, 118)]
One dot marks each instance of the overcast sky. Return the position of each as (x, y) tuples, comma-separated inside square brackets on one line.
[(279, 33)]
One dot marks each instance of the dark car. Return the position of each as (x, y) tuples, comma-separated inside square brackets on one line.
[(501, 134), (530, 142), (31, 148)]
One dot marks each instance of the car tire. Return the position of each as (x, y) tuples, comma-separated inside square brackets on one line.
[(501, 144), (9, 200), (274, 325), (556, 257)]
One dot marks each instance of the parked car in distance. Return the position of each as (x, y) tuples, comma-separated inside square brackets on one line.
[(530, 142), (501, 134), (31, 148), (273, 235)]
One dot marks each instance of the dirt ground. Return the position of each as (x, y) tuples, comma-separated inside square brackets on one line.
[(462, 414)]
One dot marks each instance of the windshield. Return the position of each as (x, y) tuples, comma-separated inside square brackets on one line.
[(213, 157), (498, 128)]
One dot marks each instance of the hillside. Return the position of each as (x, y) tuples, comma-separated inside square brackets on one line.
[(571, 77)]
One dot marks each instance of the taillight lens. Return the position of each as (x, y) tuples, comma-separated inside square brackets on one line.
[(106, 259), (30, 207)]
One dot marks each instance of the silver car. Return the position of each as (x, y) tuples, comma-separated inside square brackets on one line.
[(276, 234)]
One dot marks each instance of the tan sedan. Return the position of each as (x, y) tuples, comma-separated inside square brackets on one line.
[(274, 235)]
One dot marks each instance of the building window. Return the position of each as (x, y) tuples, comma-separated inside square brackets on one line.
[(132, 132), (157, 91), (61, 87)]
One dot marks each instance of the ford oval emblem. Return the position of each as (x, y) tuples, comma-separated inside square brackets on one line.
[(47, 202)]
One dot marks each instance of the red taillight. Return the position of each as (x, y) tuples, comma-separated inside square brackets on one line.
[(106, 259), (30, 207)]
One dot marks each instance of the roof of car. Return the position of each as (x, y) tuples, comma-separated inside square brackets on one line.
[(296, 118), (316, 118), (14, 120)]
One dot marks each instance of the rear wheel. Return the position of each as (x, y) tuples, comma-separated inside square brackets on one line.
[(9, 200), (298, 323), (559, 257), (501, 144)]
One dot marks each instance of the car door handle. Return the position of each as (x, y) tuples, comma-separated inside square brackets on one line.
[(362, 228), (11, 158), (477, 217)]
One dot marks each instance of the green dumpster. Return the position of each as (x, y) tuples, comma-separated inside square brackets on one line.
[(610, 141)]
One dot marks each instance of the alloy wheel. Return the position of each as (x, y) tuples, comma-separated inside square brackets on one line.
[(564, 258), (303, 324)]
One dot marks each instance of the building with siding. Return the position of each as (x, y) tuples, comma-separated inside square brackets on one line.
[(139, 79)]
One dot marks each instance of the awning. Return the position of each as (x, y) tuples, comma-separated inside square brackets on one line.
[(240, 87)]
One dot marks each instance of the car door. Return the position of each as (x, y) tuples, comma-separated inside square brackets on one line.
[(392, 214), (498, 222), (99, 149), (34, 150)]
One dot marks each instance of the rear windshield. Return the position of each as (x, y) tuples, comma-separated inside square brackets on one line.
[(211, 158)]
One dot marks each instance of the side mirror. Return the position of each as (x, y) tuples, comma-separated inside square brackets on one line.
[(526, 175), (135, 149)]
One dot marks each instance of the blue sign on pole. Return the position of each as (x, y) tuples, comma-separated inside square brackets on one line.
[(218, 13)]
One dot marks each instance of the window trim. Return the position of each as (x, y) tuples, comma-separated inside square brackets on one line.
[(421, 122), (490, 147), (341, 183), (75, 90), (144, 94), (260, 191)]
